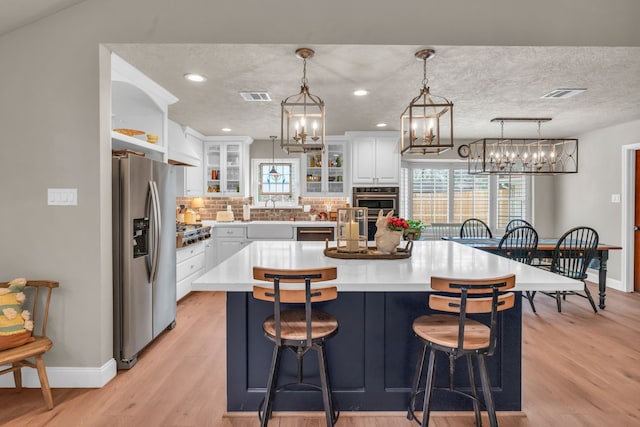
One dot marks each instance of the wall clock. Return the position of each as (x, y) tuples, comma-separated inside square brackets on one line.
[(463, 151)]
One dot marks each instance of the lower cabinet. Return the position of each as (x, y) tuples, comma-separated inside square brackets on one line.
[(190, 264), (228, 241)]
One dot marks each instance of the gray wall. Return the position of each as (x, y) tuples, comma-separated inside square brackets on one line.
[(585, 198), (55, 123)]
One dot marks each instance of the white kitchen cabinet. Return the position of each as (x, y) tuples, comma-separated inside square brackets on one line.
[(326, 174), (190, 178), (375, 158), (139, 104), (228, 240), (190, 264), (226, 167)]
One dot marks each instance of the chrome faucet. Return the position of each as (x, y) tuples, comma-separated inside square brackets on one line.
[(273, 202)]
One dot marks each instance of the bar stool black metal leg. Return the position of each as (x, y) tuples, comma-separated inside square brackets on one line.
[(416, 381), (428, 387), (486, 390), (474, 391), (530, 296), (324, 380), (271, 386)]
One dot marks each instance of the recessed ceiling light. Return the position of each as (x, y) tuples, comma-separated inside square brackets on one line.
[(226, 129), (360, 92), (381, 125), (193, 77)]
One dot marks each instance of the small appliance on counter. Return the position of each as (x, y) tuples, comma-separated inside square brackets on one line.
[(224, 216)]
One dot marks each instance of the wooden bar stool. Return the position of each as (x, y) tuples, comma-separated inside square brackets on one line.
[(297, 329), (459, 336)]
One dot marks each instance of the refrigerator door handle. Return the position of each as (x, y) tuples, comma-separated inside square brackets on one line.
[(156, 230)]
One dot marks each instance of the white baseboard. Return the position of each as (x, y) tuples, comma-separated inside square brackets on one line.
[(593, 276), (65, 377)]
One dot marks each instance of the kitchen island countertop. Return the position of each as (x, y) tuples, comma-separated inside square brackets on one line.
[(429, 258)]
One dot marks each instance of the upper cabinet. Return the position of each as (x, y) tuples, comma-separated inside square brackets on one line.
[(139, 109), (375, 158), (190, 177), (226, 168), (326, 174)]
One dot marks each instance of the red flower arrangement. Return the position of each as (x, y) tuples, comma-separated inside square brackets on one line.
[(397, 224)]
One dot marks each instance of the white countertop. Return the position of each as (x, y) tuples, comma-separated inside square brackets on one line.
[(429, 258), (294, 223)]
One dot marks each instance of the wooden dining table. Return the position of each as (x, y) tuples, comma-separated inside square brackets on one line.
[(545, 250)]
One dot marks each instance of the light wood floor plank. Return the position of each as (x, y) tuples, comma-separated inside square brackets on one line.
[(579, 369)]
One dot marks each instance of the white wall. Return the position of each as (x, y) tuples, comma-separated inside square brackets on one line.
[(55, 123)]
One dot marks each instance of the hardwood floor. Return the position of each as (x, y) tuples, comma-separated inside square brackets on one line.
[(579, 369)]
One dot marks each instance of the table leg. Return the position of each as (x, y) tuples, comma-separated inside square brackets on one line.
[(602, 276)]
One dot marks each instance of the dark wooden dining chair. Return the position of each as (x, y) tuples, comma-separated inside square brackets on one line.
[(459, 336), (475, 228), (516, 223), (519, 244), (37, 302), (297, 329), (571, 257)]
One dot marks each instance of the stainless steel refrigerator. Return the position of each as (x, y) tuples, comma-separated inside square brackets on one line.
[(144, 254)]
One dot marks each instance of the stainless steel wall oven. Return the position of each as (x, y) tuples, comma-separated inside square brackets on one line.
[(376, 199)]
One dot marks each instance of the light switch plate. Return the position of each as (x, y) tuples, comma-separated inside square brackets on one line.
[(615, 198), (62, 197)]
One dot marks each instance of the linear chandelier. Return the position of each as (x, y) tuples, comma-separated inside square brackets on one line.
[(536, 156), (426, 120), (302, 116)]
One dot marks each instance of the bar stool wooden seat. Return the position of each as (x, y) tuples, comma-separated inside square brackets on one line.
[(459, 336), (297, 329)]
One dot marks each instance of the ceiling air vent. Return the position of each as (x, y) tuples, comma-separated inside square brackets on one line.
[(256, 96), (562, 93)]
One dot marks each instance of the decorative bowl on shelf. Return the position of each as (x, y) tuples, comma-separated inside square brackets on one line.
[(129, 132), (152, 138)]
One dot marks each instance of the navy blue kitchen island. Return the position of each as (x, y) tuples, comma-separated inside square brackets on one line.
[(372, 358)]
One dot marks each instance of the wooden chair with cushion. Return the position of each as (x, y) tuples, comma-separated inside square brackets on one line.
[(520, 244), (459, 336), (19, 343), (571, 257), (474, 228), (297, 329)]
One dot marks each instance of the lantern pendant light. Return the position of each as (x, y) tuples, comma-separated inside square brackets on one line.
[(302, 117), (427, 123)]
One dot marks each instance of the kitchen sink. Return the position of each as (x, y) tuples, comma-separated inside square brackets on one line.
[(269, 230)]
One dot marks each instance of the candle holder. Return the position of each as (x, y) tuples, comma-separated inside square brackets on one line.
[(352, 230)]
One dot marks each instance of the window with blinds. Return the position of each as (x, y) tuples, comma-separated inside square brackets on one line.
[(430, 195), (470, 196), (447, 193), (511, 198)]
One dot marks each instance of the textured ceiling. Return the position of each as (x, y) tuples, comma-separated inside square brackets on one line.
[(482, 82)]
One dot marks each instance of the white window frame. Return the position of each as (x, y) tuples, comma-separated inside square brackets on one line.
[(295, 182), (407, 183)]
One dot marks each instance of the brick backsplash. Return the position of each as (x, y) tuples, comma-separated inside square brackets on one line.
[(214, 204)]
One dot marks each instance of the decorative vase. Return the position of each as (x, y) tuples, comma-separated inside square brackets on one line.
[(388, 242)]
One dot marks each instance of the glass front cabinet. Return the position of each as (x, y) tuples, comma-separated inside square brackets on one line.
[(226, 166), (326, 173)]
